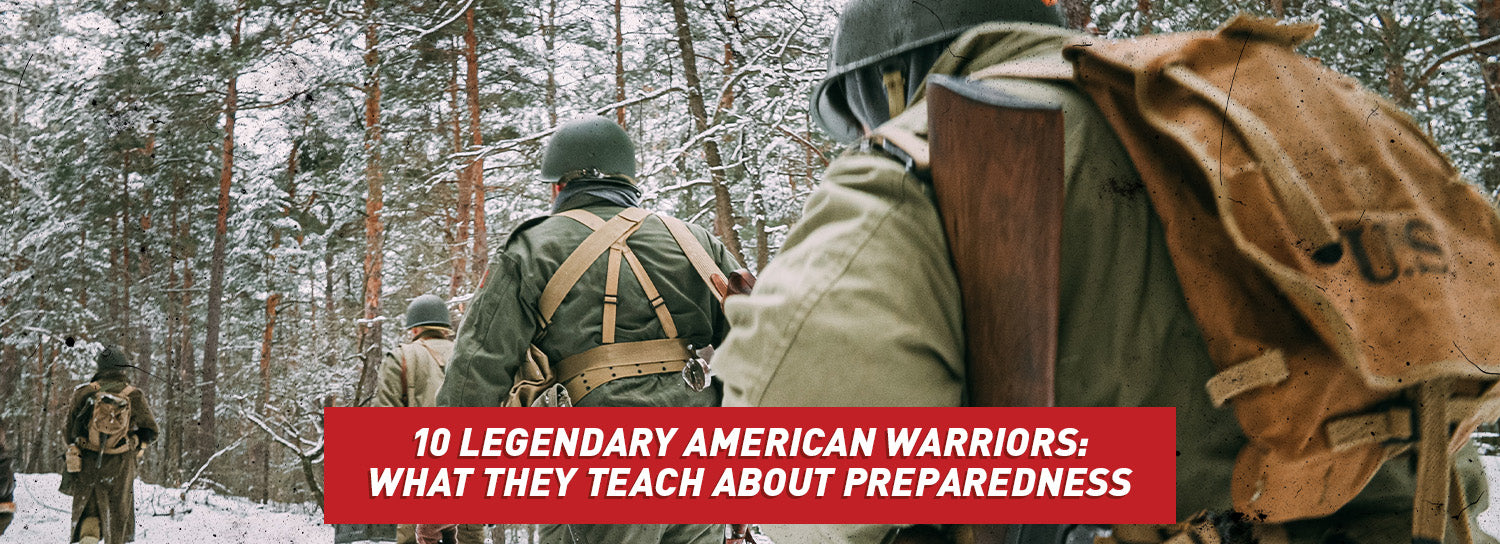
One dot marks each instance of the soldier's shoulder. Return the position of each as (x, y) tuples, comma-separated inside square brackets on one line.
[(525, 226)]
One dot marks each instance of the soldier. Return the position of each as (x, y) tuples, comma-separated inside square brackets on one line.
[(411, 375), (561, 290), (7, 485), (870, 253), (108, 423)]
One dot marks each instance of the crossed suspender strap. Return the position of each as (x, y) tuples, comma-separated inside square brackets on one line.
[(584, 372)]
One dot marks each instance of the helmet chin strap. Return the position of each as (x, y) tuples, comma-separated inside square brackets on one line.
[(895, 91)]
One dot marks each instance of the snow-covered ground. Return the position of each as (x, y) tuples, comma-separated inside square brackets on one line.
[(162, 517)]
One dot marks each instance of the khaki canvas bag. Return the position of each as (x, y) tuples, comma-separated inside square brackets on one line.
[(537, 383), (1346, 279), (109, 422)]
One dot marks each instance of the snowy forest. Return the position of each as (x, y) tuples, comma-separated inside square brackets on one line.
[(245, 194)]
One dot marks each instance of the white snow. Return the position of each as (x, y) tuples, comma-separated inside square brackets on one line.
[(163, 518)]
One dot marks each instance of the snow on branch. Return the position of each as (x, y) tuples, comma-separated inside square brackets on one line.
[(1453, 54)]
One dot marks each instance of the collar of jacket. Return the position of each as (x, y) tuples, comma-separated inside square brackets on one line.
[(585, 193)]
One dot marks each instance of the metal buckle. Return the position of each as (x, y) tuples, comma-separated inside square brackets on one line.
[(695, 371)]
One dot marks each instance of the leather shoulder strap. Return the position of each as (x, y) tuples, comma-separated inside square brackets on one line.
[(406, 385)]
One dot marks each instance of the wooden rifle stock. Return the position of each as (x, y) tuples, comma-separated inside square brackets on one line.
[(997, 170)]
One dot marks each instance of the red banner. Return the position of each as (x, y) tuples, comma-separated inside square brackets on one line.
[(766, 465)]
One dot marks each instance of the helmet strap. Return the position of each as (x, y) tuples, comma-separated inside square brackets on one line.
[(895, 91)]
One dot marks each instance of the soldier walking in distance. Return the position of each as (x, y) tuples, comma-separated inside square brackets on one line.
[(600, 288), (411, 375), (108, 422), (7, 484)]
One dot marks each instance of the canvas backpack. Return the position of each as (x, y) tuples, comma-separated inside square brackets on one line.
[(1342, 272), (109, 422), (538, 383)]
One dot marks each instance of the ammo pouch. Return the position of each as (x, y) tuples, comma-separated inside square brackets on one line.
[(535, 384)]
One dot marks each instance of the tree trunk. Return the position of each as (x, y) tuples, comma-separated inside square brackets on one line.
[(369, 340), (179, 358), (476, 140), (724, 220), (549, 42), (464, 196), (1078, 13), (208, 441), (33, 461), (1395, 66), (1143, 10), (619, 63), (1487, 14), (262, 452)]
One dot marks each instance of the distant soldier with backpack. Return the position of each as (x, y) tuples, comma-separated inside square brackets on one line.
[(598, 289), (108, 423), (7, 484), (411, 376), (1283, 414)]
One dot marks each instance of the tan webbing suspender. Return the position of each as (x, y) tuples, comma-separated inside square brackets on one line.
[(696, 254), (583, 372), (584, 256)]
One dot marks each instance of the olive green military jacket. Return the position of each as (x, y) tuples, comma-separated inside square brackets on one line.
[(425, 360), (862, 307), (504, 318)]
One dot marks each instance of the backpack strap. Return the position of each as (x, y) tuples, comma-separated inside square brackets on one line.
[(584, 256), (407, 387), (696, 254), (90, 437)]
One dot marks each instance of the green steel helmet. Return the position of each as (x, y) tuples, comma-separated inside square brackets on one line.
[(872, 33), (592, 147), (427, 311)]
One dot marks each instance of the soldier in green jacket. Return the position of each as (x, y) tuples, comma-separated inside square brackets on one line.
[(645, 290), (870, 254), (101, 464), (411, 375)]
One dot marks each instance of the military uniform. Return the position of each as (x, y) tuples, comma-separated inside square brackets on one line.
[(411, 374), (870, 254), (7, 485), (104, 490), (505, 318)]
